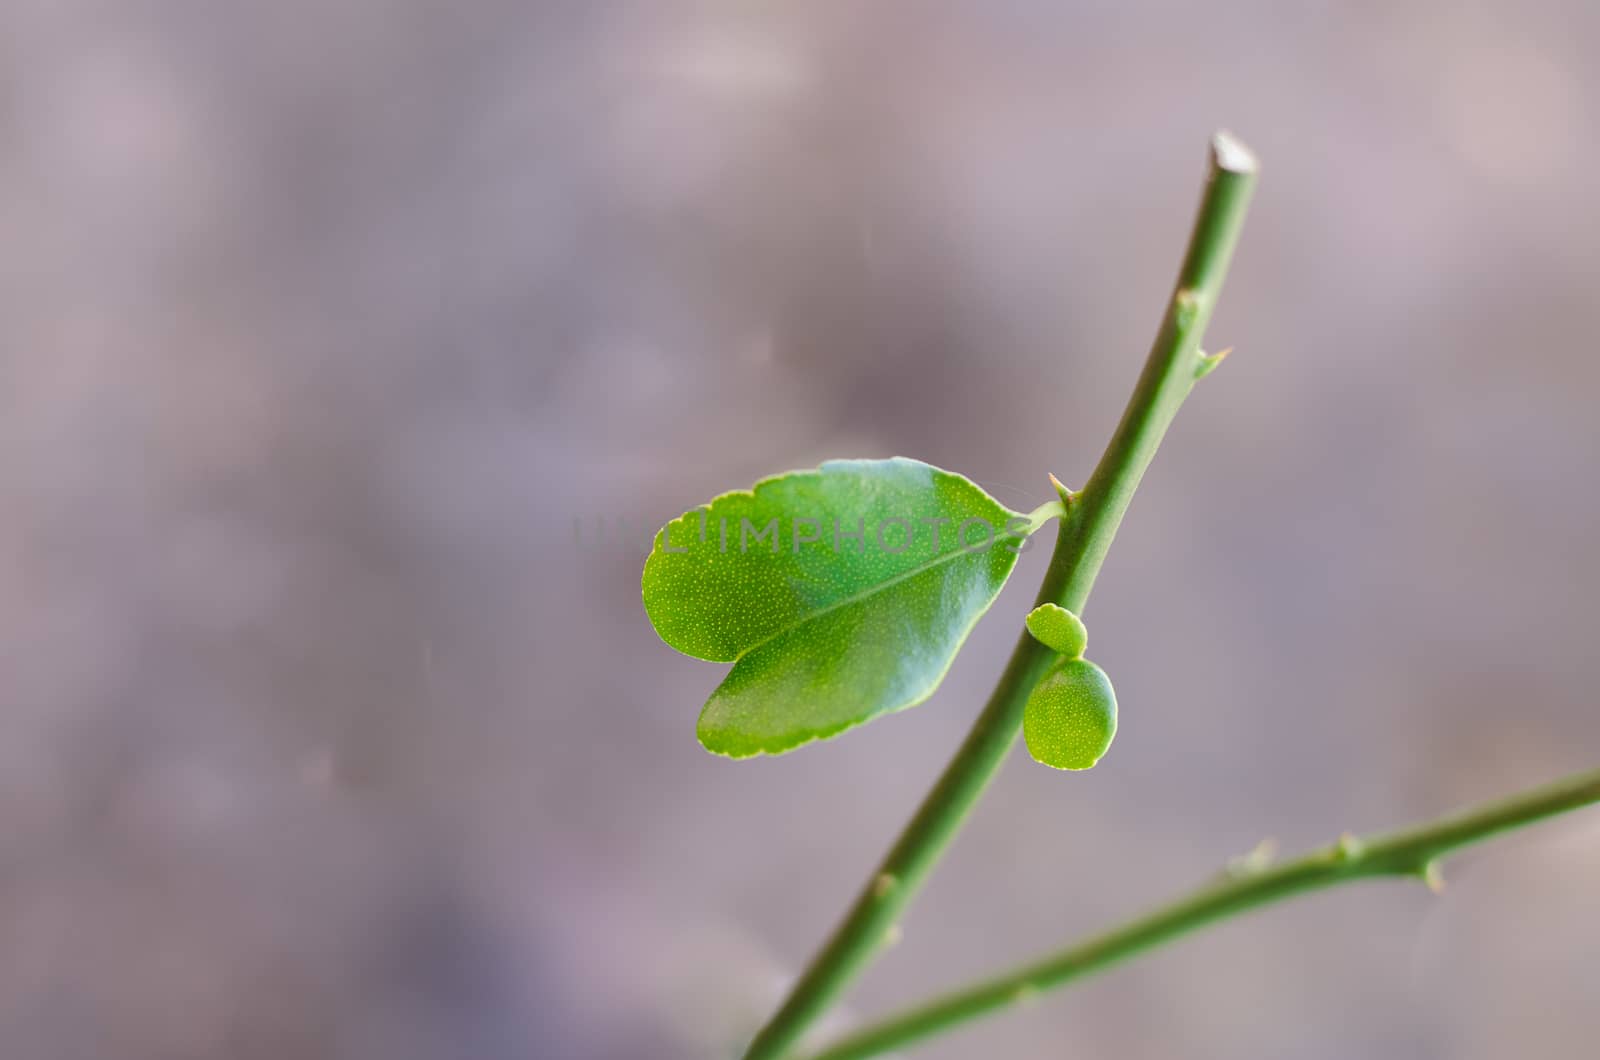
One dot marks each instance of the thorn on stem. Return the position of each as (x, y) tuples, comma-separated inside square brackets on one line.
[(884, 885), (1210, 362), (1257, 860), (1433, 877), (1348, 847), (1066, 493)]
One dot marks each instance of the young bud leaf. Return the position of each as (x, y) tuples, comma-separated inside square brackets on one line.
[(1058, 629), (1071, 717)]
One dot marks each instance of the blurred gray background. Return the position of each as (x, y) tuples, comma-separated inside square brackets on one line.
[(320, 325)]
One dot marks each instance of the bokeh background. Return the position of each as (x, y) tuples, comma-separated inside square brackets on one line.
[(320, 325)]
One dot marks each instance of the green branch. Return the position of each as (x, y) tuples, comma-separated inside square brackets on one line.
[(1247, 884), (1091, 520)]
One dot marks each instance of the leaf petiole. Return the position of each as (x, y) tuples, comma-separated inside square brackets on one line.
[(1043, 514)]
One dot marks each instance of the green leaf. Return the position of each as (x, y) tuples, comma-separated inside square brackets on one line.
[(1071, 717), (1058, 629), (840, 594)]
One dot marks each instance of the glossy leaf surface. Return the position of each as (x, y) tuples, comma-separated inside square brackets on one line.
[(840, 594)]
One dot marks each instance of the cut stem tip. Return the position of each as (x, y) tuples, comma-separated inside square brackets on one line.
[(1231, 154)]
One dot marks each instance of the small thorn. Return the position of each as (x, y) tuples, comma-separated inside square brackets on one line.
[(1349, 848), (1433, 877), (1210, 362), (1258, 860), (1026, 994), (884, 885), (1065, 491), (892, 936)]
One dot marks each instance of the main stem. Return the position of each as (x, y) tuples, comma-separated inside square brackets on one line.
[(1090, 522), (1412, 852)]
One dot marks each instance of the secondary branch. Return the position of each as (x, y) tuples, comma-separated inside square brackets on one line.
[(1409, 852)]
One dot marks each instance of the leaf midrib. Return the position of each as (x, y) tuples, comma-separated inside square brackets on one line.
[(879, 587)]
